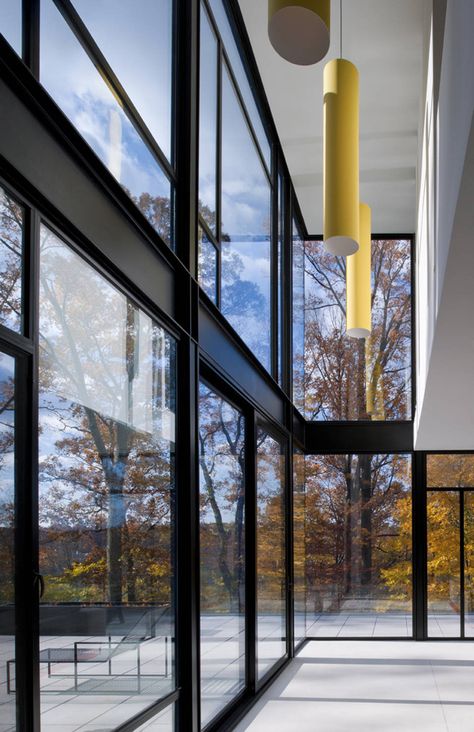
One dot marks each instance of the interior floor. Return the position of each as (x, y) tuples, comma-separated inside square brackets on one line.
[(388, 686)]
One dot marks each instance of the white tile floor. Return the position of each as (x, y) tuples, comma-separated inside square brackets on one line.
[(374, 686), (366, 625)]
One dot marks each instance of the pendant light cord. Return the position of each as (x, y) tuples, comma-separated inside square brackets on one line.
[(340, 29)]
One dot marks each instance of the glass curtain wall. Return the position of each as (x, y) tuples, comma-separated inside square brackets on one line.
[(271, 551), (106, 497), (298, 312), (7, 543), (299, 546), (129, 130), (352, 378), (222, 551), (235, 190), (358, 545)]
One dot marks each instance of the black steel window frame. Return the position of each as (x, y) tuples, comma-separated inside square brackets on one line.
[(416, 566), (461, 490), (224, 65), (184, 321)]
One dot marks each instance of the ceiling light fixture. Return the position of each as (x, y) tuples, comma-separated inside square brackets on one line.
[(341, 156), (299, 29), (358, 284)]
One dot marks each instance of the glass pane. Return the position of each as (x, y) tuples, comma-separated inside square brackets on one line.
[(298, 319), (271, 564), (359, 545), (77, 87), (135, 36), (444, 564), (208, 123), (299, 546), (207, 266), (246, 215), (7, 543), (235, 59), (106, 497), (469, 564), (11, 253), (350, 378), (280, 247), (222, 551), (450, 471), (10, 23), (163, 722)]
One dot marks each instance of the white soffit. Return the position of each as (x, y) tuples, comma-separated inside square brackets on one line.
[(384, 39)]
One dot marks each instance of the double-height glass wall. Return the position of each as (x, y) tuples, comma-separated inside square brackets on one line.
[(106, 497)]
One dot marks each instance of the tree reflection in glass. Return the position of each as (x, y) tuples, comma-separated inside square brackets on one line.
[(11, 254), (75, 84), (106, 486), (246, 214), (7, 540), (271, 562), (222, 551)]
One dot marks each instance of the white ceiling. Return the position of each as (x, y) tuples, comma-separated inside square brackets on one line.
[(384, 39)]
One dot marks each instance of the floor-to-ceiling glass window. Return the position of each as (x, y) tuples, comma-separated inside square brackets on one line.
[(450, 531), (299, 546), (353, 378), (271, 551), (7, 544), (106, 497), (444, 564), (359, 545), (222, 551)]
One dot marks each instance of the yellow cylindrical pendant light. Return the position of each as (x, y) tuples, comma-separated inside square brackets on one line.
[(358, 284), (299, 29), (341, 157)]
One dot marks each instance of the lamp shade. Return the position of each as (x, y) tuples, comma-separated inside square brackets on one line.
[(299, 29), (358, 285), (341, 157)]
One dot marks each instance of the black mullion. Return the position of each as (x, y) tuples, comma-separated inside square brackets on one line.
[(289, 549), (187, 540), (219, 171), (419, 546), (274, 284), (30, 35), (237, 89), (287, 280), (89, 45), (251, 548), (461, 561)]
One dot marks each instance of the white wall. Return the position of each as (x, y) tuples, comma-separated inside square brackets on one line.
[(445, 239)]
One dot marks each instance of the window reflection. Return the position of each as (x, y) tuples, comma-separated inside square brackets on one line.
[(299, 546), (10, 23), (246, 215), (298, 319), (357, 379), (222, 20), (7, 542), (207, 266), (106, 495), (135, 36), (358, 545), (77, 87), (271, 563), (222, 551), (11, 254), (208, 123), (450, 470)]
